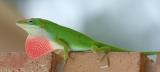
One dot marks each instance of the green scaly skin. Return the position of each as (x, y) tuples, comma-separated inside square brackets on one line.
[(73, 40)]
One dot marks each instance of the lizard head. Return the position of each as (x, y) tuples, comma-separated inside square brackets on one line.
[(33, 26)]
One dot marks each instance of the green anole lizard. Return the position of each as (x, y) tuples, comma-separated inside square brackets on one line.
[(54, 36)]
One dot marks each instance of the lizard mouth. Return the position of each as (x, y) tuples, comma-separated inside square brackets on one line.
[(22, 23), (25, 21)]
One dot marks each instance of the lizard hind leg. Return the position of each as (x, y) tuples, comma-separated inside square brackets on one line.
[(104, 60)]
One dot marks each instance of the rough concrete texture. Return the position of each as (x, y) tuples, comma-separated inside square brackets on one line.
[(118, 62), (158, 63), (16, 62)]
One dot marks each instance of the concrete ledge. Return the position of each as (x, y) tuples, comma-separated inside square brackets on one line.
[(119, 62), (158, 63), (18, 62), (79, 62)]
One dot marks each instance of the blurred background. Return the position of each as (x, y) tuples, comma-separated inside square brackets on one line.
[(132, 24)]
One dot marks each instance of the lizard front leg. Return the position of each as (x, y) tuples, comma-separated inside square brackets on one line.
[(66, 47)]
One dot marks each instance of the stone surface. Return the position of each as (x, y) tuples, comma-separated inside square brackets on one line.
[(18, 62), (158, 63), (118, 62)]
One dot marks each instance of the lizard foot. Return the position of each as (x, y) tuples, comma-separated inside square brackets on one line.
[(105, 62)]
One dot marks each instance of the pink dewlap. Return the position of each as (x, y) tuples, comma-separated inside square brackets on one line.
[(37, 46)]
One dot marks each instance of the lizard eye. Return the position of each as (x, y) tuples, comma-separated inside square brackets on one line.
[(30, 21)]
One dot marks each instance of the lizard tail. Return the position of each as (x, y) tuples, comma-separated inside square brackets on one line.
[(115, 49), (144, 52), (151, 52)]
